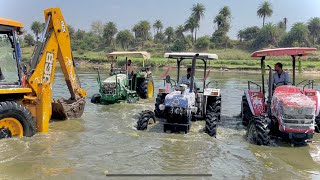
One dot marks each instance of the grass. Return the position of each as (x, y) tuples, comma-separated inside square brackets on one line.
[(228, 58)]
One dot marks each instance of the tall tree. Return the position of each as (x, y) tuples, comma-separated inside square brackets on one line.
[(157, 26), (314, 28), (109, 31), (264, 10), (222, 21), (240, 35), (197, 13), (169, 32), (299, 34), (179, 32), (142, 30), (97, 28), (124, 38), (192, 24), (28, 39), (36, 28)]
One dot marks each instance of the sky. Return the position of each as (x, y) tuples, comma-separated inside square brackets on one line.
[(126, 13)]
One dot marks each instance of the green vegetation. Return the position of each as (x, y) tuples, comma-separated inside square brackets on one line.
[(157, 39)]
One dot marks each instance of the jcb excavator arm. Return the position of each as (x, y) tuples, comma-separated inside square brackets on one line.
[(54, 45)]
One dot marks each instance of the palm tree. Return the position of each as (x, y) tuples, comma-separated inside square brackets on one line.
[(36, 28), (158, 26), (179, 32), (144, 27), (109, 31), (264, 10), (314, 28), (240, 35), (192, 24), (197, 13), (169, 32), (124, 38)]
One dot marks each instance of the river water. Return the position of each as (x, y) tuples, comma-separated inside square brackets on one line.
[(105, 141)]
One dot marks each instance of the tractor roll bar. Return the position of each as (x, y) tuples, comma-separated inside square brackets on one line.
[(192, 71)]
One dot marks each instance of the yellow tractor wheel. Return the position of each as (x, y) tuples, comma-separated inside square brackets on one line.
[(150, 89), (145, 88), (15, 120)]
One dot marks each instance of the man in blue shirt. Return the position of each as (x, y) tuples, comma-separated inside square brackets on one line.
[(280, 77)]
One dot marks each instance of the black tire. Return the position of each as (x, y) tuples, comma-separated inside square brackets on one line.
[(214, 105), (213, 114), (159, 100), (211, 123), (317, 127), (144, 118), (258, 131), (12, 109), (96, 98), (142, 87), (246, 113)]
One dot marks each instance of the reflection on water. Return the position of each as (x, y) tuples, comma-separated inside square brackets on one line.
[(105, 140)]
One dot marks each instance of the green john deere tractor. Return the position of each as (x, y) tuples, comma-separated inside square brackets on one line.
[(123, 85)]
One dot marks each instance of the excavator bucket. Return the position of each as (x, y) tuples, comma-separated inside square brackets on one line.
[(63, 109)]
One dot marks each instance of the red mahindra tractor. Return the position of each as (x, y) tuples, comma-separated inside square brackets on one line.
[(289, 112)]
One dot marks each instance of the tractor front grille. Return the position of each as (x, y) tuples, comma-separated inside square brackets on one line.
[(110, 88)]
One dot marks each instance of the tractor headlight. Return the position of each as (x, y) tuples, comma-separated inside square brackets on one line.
[(162, 107)]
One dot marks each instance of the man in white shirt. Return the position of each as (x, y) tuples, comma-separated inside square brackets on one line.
[(280, 77), (187, 78)]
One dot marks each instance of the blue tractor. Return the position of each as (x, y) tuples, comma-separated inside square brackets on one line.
[(185, 102)]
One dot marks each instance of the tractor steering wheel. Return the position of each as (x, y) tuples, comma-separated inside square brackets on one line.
[(282, 83)]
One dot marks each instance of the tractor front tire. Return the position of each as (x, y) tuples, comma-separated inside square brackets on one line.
[(214, 105), (317, 128), (211, 124), (96, 98), (258, 131), (246, 113), (144, 120), (16, 120), (159, 100), (145, 88)]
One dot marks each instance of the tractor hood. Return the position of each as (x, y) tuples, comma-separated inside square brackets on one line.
[(112, 79), (180, 99), (295, 110)]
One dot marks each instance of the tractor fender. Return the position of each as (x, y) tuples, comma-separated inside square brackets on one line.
[(255, 100)]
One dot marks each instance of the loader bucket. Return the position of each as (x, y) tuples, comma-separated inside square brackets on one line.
[(63, 109)]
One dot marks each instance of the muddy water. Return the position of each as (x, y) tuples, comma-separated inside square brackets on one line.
[(105, 141)]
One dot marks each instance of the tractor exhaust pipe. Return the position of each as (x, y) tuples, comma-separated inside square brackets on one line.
[(192, 71), (270, 87)]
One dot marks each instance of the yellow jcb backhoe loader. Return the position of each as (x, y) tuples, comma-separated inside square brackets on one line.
[(26, 103)]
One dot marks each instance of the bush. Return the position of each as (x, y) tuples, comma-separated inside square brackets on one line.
[(179, 45), (203, 43)]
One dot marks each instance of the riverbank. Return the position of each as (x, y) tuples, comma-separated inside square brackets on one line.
[(229, 60)]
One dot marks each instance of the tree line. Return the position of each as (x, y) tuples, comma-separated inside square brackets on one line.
[(147, 36)]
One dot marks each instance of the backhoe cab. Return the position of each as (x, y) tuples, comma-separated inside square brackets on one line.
[(26, 103), (284, 111)]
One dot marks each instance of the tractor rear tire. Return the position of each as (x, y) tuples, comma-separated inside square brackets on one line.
[(258, 131), (213, 115), (317, 128), (96, 98), (145, 88), (14, 116), (159, 100), (144, 120), (246, 113)]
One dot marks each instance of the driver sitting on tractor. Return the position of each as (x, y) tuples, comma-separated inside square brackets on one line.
[(128, 68), (280, 77), (187, 79)]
